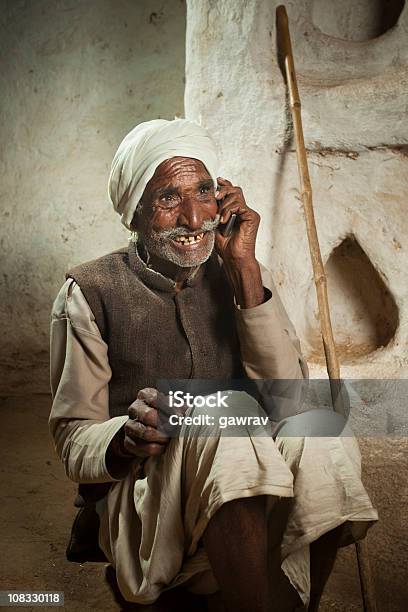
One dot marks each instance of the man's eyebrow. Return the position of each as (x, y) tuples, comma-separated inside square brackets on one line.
[(206, 183), (172, 190), (164, 191)]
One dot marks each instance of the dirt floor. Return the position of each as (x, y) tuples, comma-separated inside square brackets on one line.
[(36, 515)]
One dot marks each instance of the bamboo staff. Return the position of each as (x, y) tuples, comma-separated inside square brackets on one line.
[(319, 275)]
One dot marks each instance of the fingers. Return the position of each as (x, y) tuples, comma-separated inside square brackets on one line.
[(223, 181), (233, 201), (240, 243), (233, 205), (140, 411), (149, 395), (138, 431), (143, 441), (142, 437), (225, 190), (140, 448)]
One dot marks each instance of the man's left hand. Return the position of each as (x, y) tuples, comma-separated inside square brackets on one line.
[(239, 248)]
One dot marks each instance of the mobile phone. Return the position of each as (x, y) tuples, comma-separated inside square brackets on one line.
[(229, 226), (226, 229)]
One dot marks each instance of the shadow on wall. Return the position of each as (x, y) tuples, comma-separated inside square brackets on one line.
[(364, 313), (356, 20)]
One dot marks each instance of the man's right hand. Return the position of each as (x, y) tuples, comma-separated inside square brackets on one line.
[(141, 436)]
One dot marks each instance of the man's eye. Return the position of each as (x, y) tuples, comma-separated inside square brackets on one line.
[(205, 189), (168, 200)]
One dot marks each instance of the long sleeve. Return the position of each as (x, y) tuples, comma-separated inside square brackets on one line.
[(271, 353), (80, 372), (270, 347)]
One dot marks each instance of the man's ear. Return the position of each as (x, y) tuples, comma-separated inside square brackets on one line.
[(135, 223)]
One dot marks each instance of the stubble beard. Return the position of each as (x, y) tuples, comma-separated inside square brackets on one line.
[(160, 244)]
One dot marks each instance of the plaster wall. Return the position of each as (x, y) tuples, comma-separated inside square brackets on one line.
[(354, 105), (75, 78), (352, 72)]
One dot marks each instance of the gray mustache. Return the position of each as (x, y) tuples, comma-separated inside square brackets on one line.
[(207, 226)]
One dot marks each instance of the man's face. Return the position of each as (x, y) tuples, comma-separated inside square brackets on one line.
[(177, 215)]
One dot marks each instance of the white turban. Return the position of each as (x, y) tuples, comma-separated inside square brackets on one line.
[(147, 146)]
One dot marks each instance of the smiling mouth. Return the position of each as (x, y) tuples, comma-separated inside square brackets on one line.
[(189, 239)]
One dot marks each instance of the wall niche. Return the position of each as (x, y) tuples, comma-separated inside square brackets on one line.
[(363, 311), (356, 20)]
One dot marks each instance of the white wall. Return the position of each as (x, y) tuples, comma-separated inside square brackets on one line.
[(76, 76), (355, 101)]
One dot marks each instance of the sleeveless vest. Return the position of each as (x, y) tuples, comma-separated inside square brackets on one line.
[(155, 333)]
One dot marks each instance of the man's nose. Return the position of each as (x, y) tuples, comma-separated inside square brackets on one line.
[(191, 214)]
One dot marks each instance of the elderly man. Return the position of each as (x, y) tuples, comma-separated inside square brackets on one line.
[(184, 301)]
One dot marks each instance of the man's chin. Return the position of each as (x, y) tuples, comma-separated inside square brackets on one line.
[(183, 255), (186, 259)]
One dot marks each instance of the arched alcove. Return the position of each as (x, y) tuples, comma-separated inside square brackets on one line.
[(356, 20), (364, 313)]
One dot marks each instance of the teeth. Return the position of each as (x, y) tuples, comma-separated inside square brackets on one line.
[(190, 239)]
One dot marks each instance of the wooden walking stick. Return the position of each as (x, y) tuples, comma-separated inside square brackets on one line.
[(332, 363)]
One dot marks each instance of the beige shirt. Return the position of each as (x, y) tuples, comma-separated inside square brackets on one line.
[(139, 523), (80, 373)]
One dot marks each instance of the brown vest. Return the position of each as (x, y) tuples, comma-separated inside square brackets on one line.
[(154, 332)]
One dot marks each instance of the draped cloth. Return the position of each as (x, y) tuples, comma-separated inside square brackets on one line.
[(145, 148)]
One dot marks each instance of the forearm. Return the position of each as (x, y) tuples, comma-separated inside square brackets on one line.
[(271, 354), (118, 459), (270, 348), (246, 281), (83, 448), (80, 373)]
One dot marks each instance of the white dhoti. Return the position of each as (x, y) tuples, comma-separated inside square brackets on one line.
[(152, 527)]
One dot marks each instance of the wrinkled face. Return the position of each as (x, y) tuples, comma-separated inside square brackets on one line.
[(177, 215)]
